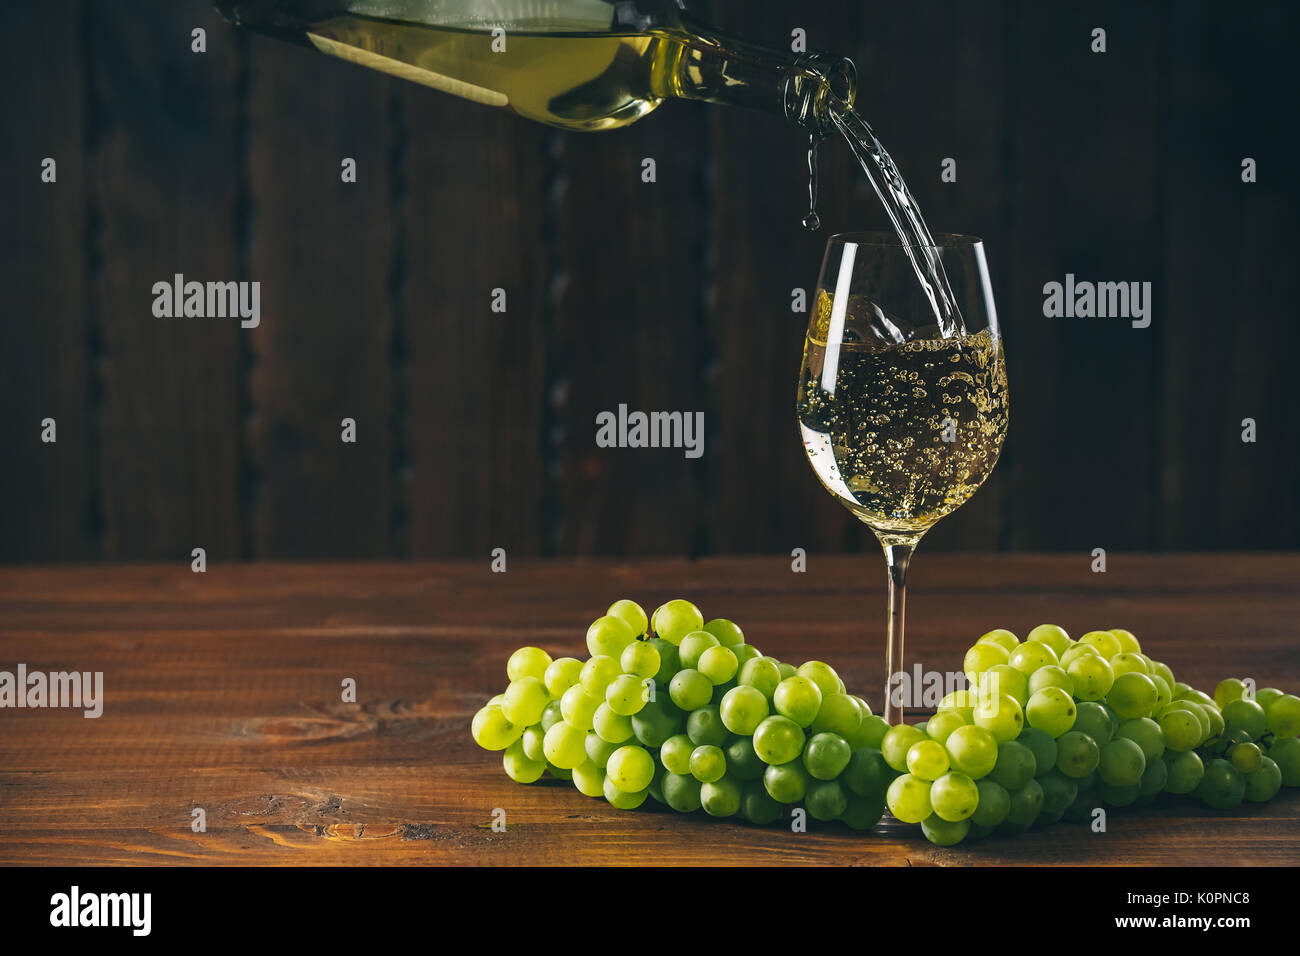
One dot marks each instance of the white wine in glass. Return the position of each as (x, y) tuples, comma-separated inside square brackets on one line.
[(901, 422)]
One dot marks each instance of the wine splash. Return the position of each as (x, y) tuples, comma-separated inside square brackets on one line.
[(903, 213)]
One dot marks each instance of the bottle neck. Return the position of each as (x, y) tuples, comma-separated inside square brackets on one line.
[(716, 68)]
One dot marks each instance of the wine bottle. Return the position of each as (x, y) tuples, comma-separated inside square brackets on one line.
[(576, 64)]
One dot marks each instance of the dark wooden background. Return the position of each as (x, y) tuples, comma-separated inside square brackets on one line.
[(476, 430)]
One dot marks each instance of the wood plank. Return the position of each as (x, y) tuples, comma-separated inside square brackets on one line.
[(222, 692), (44, 347), (472, 206), (164, 178), (322, 249)]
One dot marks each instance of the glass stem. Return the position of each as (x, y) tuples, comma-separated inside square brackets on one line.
[(897, 556)]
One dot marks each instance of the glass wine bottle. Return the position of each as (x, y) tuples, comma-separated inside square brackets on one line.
[(576, 64)]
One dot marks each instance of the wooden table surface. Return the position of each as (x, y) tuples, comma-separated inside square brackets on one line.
[(222, 691)]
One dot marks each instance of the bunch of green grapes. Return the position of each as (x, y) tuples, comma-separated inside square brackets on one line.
[(680, 711), (1052, 728)]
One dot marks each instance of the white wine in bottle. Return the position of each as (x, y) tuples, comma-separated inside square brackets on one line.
[(576, 64)]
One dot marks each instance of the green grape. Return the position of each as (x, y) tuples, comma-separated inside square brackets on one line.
[(1185, 771), (757, 805), (621, 799), (1132, 695), (762, 674), (674, 620), (608, 636), (1093, 720), (743, 761), (778, 740), (826, 799), (823, 675), (670, 661), (1053, 675), (962, 702), (1129, 664), (1077, 754), (1282, 718), (630, 768), (528, 662), (690, 689), (1092, 676), (525, 699), (704, 726), (721, 798), (1162, 670), (838, 714), (708, 763), (1074, 652), (1051, 635), (787, 670), (787, 782), (693, 645), (1215, 719), (579, 707), (897, 742), (656, 722), (625, 695), (742, 709), (681, 792), (589, 779), (1285, 752), (941, 832), (1247, 758), (1128, 643), (954, 796), (561, 674), (1181, 690), (994, 802), (1239, 714), (799, 699), (1044, 747), (1146, 733), (745, 653), (1177, 730), (1163, 694), (727, 632), (1051, 710), (656, 788), (718, 664), (1004, 679), (597, 673), (908, 798), (972, 750), (1059, 791), (492, 731), (1154, 779), (640, 659), (871, 733), (927, 760), (864, 811), (610, 725), (532, 743), (552, 715), (1028, 657), (1266, 695), (1122, 763), (565, 745), (495, 701), (519, 767), (1228, 690), (675, 754), (1001, 716), (1002, 637), (1223, 787), (1026, 804), (867, 773), (1107, 644), (940, 726), (1263, 783), (631, 614), (1119, 796), (598, 749), (1015, 766), (981, 657)]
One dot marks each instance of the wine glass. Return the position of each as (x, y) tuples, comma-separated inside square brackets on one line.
[(902, 417)]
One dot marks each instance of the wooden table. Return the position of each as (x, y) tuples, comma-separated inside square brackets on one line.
[(223, 693)]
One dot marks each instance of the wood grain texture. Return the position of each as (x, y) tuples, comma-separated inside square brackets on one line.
[(222, 692)]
